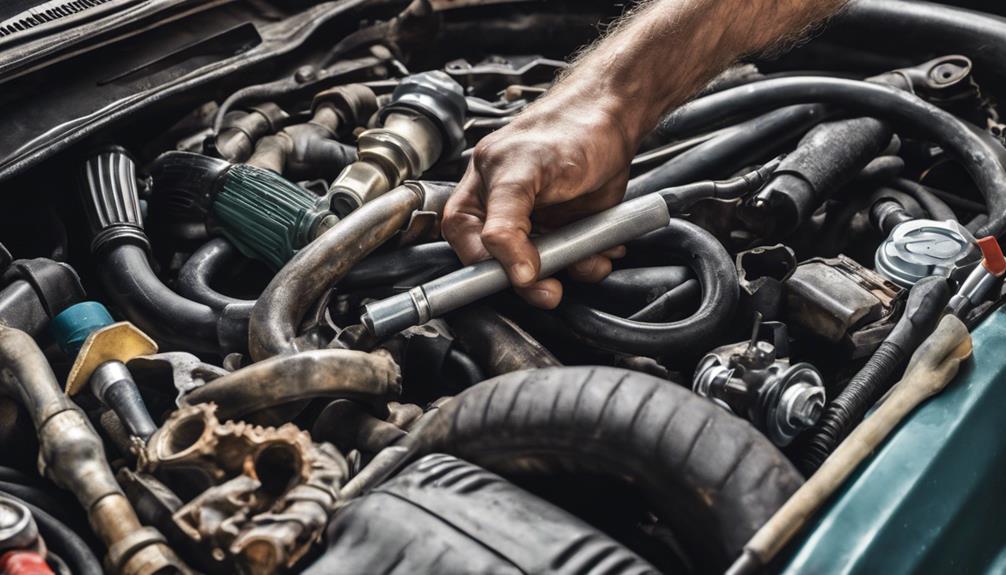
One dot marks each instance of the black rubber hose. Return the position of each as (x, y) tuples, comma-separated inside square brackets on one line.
[(710, 476), (932, 29), (826, 159), (35, 291), (753, 142), (715, 270), (412, 265), (933, 204), (164, 315), (880, 170), (926, 302), (196, 275), (63, 540), (906, 112)]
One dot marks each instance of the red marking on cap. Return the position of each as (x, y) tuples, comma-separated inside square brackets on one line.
[(24, 563), (993, 261)]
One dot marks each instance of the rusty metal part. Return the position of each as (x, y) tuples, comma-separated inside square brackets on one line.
[(183, 370), (72, 455), (270, 491), (241, 129), (315, 269), (372, 378), (842, 302)]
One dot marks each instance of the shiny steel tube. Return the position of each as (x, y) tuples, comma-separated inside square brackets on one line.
[(559, 249)]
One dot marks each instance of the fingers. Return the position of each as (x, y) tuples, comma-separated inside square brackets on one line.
[(464, 218), (544, 294), (506, 230), (591, 270)]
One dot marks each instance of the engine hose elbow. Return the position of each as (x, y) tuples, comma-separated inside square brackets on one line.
[(36, 291), (691, 245)]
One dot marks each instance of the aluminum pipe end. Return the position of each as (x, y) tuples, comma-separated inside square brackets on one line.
[(398, 312)]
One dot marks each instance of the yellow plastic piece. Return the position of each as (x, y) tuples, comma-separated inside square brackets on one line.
[(116, 342)]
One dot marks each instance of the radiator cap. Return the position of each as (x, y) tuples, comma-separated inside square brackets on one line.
[(922, 248)]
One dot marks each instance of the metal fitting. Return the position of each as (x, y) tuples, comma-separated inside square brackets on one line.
[(423, 124), (921, 248), (17, 526), (749, 379)]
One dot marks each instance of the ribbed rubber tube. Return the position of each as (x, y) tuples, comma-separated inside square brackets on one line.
[(848, 407), (906, 112), (689, 244), (710, 476)]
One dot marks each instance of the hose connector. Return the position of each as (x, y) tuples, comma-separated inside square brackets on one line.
[(111, 200), (423, 124), (265, 216)]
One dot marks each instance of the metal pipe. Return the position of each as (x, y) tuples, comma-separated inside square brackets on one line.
[(72, 455), (285, 302), (372, 378), (558, 250)]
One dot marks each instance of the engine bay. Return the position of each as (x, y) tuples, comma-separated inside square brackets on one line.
[(233, 338)]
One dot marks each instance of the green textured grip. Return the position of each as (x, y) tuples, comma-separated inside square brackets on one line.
[(266, 217)]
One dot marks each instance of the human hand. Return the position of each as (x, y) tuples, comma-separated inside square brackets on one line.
[(553, 164)]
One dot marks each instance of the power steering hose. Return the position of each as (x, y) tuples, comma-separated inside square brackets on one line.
[(558, 250), (924, 307), (71, 454), (121, 248), (906, 112)]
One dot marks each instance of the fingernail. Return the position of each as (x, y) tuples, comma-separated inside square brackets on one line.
[(523, 272)]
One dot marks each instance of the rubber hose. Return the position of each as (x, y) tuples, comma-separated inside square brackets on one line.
[(710, 476), (63, 540), (497, 344), (918, 27), (195, 276), (371, 378), (937, 208), (673, 300), (880, 170), (161, 313), (755, 141), (413, 264), (715, 271), (926, 302), (35, 495), (907, 113)]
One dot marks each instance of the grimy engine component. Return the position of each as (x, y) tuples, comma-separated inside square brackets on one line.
[(72, 455), (423, 124), (269, 491), (842, 302), (17, 527), (932, 366), (755, 380), (558, 249), (920, 248), (310, 150), (100, 349), (762, 273), (264, 215)]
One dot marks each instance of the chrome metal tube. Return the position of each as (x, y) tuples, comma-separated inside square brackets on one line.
[(559, 249)]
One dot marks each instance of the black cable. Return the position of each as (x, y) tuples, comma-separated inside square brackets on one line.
[(196, 275)]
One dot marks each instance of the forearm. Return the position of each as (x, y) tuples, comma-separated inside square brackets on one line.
[(667, 50)]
